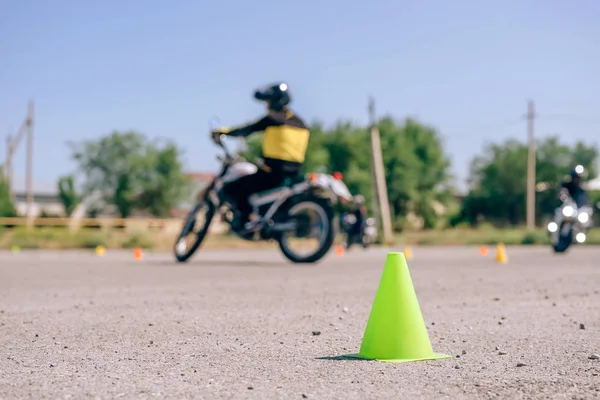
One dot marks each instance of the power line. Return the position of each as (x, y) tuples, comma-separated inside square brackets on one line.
[(492, 127), (569, 116)]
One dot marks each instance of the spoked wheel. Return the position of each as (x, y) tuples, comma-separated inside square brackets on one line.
[(314, 219), (194, 230)]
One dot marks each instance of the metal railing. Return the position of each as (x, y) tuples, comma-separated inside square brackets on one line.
[(86, 222), (161, 224)]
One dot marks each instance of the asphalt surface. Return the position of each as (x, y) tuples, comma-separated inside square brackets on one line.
[(240, 324)]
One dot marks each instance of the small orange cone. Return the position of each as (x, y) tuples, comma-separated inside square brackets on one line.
[(483, 251), (339, 250), (137, 254)]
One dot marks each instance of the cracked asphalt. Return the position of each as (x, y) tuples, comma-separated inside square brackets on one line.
[(248, 324)]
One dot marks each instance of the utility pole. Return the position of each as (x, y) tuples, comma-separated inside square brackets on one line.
[(7, 175), (11, 145), (379, 176), (29, 178), (531, 158), (374, 194)]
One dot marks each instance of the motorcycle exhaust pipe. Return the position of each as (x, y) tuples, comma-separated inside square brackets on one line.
[(283, 227)]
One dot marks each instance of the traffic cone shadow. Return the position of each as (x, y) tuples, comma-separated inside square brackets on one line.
[(396, 331)]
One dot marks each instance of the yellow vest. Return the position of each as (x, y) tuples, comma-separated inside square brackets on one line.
[(286, 142)]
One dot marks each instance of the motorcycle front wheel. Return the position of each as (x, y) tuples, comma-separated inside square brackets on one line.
[(365, 242), (564, 241), (182, 250)]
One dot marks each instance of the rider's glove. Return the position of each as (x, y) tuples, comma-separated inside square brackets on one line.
[(216, 136)]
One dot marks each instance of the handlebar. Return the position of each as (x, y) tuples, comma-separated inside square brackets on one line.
[(222, 145), (213, 124)]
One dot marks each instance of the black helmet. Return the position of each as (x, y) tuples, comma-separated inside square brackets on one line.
[(577, 172), (276, 95)]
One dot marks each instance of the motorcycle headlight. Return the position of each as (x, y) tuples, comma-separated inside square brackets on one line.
[(568, 211), (552, 227), (583, 217)]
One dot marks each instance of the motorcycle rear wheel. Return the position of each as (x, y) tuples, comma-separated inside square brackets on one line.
[(326, 215)]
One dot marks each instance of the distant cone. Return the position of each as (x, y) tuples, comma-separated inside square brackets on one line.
[(137, 253), (15, 249), (501, 256), (396, 330), (100, 250), (483, 251), (339, 250), (408, 253)]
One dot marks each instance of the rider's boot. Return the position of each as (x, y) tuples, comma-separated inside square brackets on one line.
[(252, 222), (238, 222)]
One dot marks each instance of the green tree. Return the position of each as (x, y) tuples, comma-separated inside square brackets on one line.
[(164, 183), (67, 194), (110, 166), (417, 169), (129, 172), (7, 208), (498, 179)]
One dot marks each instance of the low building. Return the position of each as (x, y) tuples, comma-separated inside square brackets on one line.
[(48, 204), (594, 184)]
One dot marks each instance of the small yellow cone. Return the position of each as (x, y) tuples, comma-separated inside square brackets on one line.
[(15, 249), (501, 256), (396, 331), (100, 250), (408, 253)]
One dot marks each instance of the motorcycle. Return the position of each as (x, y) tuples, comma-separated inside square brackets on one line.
[(279, 210), (570, 224), (366, 234)]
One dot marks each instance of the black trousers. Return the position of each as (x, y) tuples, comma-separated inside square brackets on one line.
[(241, 189), (356, 228)]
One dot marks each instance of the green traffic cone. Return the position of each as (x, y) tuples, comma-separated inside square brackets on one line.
[(396, 331)]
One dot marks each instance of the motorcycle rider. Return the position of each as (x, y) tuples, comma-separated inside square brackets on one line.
[(284, 148), (573, 186)]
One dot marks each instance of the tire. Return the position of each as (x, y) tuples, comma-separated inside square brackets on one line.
[(210, 213), (564, 242), (365, 243), (327, 213), (348, 242)]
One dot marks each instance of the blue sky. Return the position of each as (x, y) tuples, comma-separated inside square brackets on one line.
[(164, 68)]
